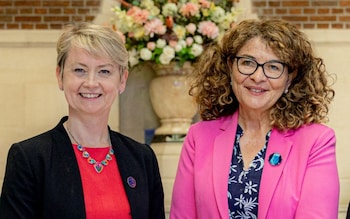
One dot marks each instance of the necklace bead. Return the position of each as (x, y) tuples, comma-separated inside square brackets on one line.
[(98, 166)]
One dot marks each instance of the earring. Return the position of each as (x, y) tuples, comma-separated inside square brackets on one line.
[(286, 91)]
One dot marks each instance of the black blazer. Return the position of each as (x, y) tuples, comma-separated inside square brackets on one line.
[(42, 178)]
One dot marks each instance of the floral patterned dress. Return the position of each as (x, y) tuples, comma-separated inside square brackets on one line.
[(243, 185)]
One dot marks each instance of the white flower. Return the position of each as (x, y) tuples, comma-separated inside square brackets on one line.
[(160, 43), (124, 22), (196, 49), (250, 187), (145, 54), (133, 57), (147, 4), (240, 201), (198, 39), (178, 47), (182, 43), (217, 14), (167, 55), (169, 52), (228, 19), (154, 11), (164, 59), (169, 9)]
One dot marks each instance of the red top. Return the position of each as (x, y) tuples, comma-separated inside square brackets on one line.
[(104, 193)]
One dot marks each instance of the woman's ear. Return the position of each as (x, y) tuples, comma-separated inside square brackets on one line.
[(123, 80), (59, 76)]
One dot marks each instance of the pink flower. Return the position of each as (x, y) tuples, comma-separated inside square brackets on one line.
[(209, 29), (189, 41), (151, 45), (140, 16), (191, 28), (172, 43), (131, 34), (204, 3), (155, 26), (189, 9)]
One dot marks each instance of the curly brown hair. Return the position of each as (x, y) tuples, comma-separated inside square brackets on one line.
[(309, 94)]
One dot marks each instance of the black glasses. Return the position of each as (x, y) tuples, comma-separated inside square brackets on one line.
[(272, 69)]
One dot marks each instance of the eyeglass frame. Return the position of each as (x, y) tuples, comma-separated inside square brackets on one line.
[(261, 65)]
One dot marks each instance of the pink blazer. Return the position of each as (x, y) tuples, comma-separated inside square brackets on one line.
[(304, 185)]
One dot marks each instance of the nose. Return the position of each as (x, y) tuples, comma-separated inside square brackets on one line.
[(91, 80), (259, 74)]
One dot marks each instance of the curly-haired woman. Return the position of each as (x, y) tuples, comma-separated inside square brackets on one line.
[(261, 150)]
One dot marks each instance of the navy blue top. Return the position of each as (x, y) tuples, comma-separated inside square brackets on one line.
[(243, 185)]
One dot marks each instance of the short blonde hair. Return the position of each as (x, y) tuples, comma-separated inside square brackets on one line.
[(98, 40)]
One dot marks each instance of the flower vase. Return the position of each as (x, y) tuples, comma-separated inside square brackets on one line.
[(169, 94)]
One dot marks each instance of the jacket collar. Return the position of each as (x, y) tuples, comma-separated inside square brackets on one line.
[(222, 155)]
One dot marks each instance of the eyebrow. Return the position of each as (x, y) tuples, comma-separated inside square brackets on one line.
[(252, 57), (99, 66)]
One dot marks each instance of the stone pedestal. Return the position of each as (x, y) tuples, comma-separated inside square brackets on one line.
[(168, 157)]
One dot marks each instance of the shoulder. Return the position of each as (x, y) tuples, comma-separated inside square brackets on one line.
[(34, 145), (47, 138), (37, 139), (308, 138), (314, 130), (42, 143)]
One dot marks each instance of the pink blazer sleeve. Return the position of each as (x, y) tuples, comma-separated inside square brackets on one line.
[(320, 190), (183, 198), (200, 188)]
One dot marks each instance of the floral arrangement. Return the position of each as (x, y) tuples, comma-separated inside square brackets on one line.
[(163, 31)]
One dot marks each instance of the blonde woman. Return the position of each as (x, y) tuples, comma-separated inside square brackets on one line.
[(81, 168)]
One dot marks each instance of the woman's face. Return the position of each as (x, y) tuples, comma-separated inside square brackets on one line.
[(90, 83), (256, 92)]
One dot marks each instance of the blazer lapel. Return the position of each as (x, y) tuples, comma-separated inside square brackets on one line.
[(222, 155), (65, 182), (278, 143)]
